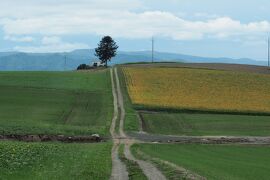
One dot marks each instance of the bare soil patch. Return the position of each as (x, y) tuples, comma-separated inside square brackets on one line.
[(54, 138), (200, 139)]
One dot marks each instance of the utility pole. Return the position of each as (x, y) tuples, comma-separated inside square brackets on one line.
[(153, 49), (268, 51)]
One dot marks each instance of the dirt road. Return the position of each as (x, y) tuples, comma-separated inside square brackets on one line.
[(119, 171), (120, 105)]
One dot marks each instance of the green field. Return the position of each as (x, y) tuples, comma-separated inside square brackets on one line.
[(71, 103), (54, 161), (215, 161), (206, 124), (82, 81)]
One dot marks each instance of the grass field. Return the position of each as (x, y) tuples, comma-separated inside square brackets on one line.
[(215, 161), (71, 103), (206, 124), (54, 161), (77, 80), (198, 89)]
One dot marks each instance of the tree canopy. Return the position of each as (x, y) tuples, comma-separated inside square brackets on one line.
[(106, 50)]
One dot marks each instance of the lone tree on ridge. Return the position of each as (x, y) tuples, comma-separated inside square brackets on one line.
[(106, 49)]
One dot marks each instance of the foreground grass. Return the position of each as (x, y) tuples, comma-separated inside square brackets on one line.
[(54, 161), (198, 89), (206, 124), (215, 161), (71, 103)]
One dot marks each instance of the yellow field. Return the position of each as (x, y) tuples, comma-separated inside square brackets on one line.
[(199, 89)]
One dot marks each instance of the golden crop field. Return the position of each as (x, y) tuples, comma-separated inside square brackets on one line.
[(198, 89)]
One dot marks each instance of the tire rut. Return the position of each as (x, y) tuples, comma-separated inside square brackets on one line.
[(120, 105)]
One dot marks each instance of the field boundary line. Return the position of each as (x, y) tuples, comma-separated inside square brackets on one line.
[(156, 138), (157, 109), (53, 138)]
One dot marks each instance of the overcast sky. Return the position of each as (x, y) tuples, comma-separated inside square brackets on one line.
[(213, 28)]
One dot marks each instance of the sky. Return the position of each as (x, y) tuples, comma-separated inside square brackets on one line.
[(209, 28)]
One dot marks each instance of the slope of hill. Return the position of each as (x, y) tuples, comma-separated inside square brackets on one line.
[(70, 60)]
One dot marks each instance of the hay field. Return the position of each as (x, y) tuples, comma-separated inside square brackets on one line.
[(198, 89)]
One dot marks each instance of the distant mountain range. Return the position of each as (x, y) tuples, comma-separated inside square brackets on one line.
[(14, 61)]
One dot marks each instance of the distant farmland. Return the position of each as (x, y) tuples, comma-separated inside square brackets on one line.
[(68, 103), (198, 89)]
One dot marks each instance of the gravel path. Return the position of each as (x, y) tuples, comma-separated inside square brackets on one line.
[(119, 170)]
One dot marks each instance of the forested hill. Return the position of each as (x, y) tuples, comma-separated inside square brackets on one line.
[(70, 60)]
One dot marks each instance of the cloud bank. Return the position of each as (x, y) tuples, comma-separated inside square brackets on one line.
[(52, 44), (118, 18)]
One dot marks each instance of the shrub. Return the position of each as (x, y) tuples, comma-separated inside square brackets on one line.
[(83, 67)]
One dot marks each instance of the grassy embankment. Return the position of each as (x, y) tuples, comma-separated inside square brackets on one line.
[(131, 122)]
